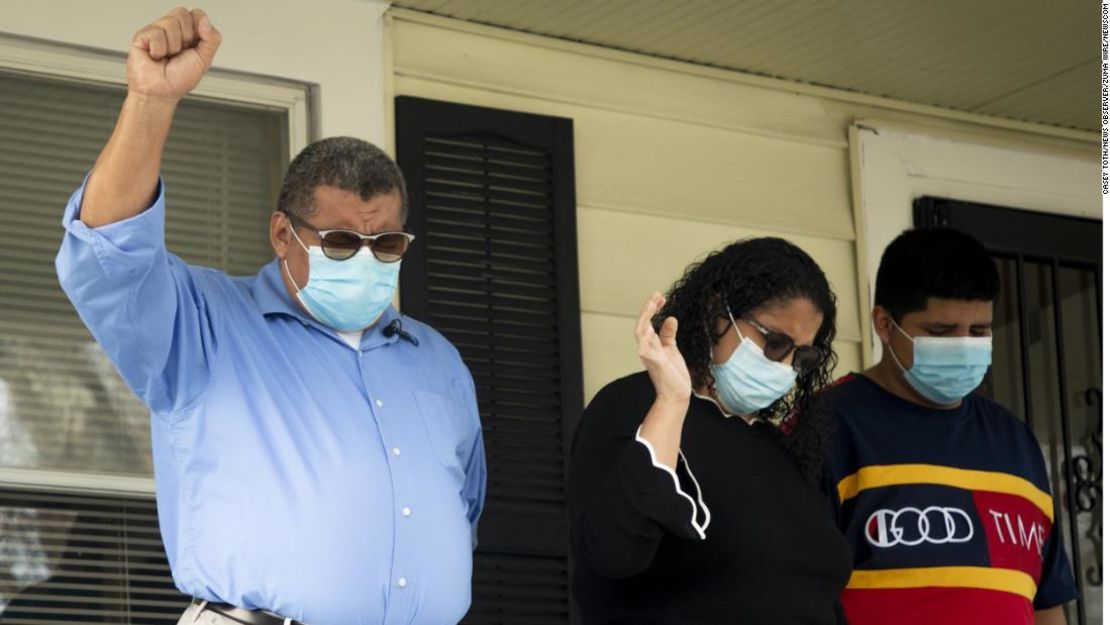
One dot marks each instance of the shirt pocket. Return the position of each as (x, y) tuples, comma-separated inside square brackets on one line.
[(446, 423)]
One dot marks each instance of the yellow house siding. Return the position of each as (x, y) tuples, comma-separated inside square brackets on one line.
[(673, 161), (624, 256)]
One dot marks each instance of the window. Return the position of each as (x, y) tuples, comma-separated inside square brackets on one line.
[(496, 271), (83, 559), (79, 538)]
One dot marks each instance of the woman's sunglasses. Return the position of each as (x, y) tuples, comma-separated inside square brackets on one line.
[(777, 346), (387, 247)]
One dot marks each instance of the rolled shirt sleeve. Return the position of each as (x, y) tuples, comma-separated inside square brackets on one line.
[(143, 305)]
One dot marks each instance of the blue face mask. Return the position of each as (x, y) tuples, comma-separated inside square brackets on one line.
[(347, 295), (749, 381), (946, 369)]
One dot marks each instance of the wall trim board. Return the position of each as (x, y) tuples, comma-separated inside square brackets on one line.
[(892, 166)]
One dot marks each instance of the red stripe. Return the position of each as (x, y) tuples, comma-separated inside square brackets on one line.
[(932, 606)]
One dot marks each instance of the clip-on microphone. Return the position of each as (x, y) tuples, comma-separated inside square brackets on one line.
[(394, 328)]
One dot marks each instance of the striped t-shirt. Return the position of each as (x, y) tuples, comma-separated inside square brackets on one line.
[(948, 512)]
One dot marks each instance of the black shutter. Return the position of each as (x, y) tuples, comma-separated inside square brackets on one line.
[(495, 269)]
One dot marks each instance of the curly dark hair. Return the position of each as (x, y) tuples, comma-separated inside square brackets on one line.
[(750, 274)]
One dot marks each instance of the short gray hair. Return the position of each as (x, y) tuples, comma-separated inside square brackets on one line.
[(347, 163)]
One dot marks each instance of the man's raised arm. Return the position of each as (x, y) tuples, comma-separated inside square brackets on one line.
[(146, 307), (166, 61)]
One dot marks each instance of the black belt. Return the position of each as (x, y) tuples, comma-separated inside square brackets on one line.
[(239, 615)]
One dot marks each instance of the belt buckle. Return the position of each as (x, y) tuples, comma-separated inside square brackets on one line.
[(243, 616)]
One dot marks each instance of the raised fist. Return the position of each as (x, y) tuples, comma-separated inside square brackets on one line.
[(169, 57)]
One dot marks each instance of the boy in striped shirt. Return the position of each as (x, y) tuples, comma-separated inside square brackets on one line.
[(942, 493)]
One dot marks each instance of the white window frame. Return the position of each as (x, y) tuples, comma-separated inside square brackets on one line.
[(893, 164), (53, 60)]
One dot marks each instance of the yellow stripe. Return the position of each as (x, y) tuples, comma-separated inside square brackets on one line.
[(1004, 580), (877, 476)]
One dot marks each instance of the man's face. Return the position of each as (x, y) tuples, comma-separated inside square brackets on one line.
[(941, 317), (336, 209)]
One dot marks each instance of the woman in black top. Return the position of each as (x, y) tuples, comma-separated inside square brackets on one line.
[(730, 528)]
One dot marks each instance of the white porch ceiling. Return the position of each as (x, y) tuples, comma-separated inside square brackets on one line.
[(1030, 60)]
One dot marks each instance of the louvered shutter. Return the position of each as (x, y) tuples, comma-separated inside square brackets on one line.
[(495, 270)]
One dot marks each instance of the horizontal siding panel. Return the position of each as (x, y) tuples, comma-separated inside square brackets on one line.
[(656, 250), (663, 167), (678, 169), (507, 67)]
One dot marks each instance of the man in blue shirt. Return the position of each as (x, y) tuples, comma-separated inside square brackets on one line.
[(318, 456)]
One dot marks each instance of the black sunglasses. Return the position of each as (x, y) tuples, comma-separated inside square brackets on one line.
[(778, 346), (339, 244)]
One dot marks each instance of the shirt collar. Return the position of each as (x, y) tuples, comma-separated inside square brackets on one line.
[(272, 296), (273, 299)]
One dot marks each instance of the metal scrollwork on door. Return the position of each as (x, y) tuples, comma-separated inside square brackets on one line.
[(1087, 470)]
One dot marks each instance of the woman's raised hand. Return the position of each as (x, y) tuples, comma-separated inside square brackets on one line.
[(659, 353)]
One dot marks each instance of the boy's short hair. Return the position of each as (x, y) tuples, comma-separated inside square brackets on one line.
[(933, 262)]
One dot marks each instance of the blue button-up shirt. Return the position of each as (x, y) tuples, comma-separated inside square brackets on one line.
[(293, 473)]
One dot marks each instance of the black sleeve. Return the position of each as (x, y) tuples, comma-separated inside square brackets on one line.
[(621, 498), (831, 470), (1057, 585)]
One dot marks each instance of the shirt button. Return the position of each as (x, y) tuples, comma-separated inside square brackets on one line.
[(380, 403), (407, 511), (396, 451), (402, 582)]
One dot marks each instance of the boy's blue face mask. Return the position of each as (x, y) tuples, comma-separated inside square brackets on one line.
[(946, 369), (347, 295)]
